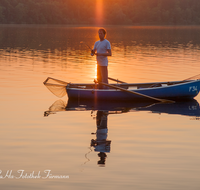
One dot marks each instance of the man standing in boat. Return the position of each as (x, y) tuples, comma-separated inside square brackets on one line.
[(102, 49)]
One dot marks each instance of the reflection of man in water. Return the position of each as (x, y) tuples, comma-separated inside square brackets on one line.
[(101, 143)]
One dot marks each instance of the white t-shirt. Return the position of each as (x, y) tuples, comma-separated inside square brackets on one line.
[(102, 47)]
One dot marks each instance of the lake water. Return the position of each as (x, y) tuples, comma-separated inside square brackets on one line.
[(151, 147)]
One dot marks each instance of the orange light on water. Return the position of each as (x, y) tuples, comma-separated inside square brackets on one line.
[(95, 77), (99, 12)]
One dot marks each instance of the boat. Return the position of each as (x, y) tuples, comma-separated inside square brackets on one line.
[(157, 91)]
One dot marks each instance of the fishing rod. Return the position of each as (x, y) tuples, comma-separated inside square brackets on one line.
[(82, 42), (92, 53)]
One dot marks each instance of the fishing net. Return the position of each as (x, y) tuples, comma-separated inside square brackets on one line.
[(57, 106), (57, 87)]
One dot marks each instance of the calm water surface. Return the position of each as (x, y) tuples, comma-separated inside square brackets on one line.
[(151, 147)]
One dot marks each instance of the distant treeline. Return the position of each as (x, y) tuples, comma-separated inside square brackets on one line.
[(155, 12)]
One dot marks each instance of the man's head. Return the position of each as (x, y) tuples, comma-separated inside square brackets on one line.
[(102, 33)]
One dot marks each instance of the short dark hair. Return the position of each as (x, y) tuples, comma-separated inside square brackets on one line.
[(104, 31)]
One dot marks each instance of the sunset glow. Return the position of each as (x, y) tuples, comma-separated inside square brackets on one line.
[(99, 12)]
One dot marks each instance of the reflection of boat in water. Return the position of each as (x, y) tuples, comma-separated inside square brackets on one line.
[(188, 108), (99, 142)]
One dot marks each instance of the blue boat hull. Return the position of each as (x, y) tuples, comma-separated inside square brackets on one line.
[(185, 90)]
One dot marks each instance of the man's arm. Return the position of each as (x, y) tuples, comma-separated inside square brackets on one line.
[(108, 53)]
